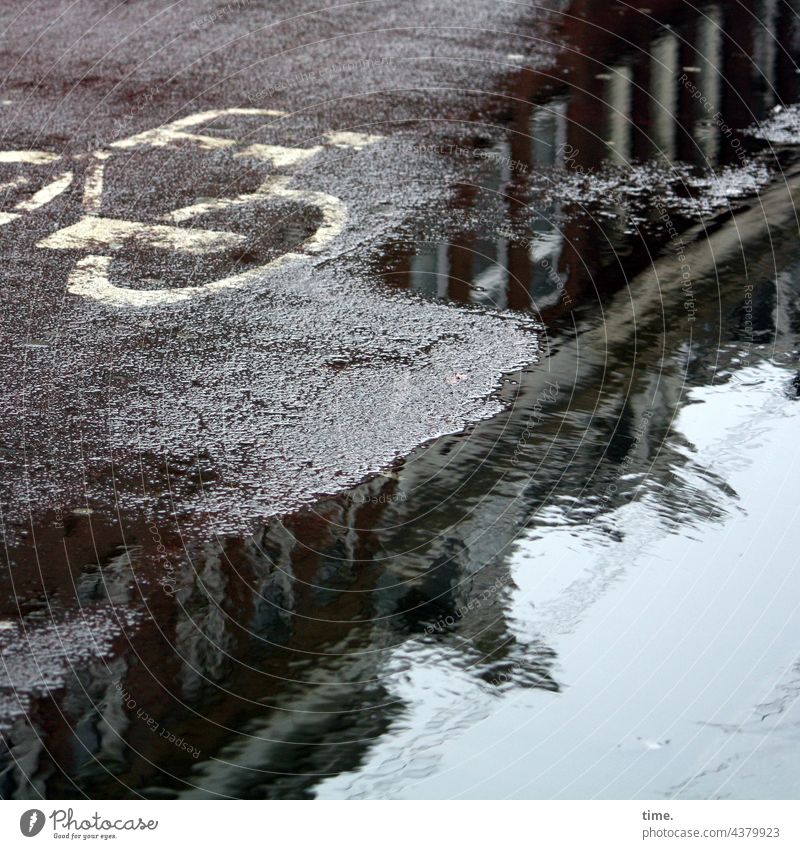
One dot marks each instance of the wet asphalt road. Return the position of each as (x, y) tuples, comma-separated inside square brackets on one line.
[(172, 282)]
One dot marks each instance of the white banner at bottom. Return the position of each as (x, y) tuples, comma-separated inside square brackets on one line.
[(388, 824)]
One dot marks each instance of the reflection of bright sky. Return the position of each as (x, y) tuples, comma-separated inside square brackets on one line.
[(660, 636)]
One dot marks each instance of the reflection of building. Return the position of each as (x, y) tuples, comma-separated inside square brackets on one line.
[(634, 97), (268, 656)]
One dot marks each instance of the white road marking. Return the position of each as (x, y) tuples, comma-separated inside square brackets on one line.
[(279, 156), (186, 213), (175, 131), (14, 184), (356, 141), (90, 277), (334, 212), (42, 196), (93, 186), (30, 157), (46, 193), (165, 136), (93, 232)]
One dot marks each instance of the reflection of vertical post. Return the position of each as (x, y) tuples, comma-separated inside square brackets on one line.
[(400, 275), (423, 271), (785, 56), (689, 110), (587, 115), (494, 277), (519, 276), (459, 281), (620, 101), (764, 49), (460, 252), (520, 137), (547, 129), (549, 133), (642, 106), (501, 272), (518, 265), (442, 271), (739, 95), (708, 80), (664, 70), (572, 268)]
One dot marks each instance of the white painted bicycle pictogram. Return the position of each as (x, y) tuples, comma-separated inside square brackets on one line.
[(101, 235)]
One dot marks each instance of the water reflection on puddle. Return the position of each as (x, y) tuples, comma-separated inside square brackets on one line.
[(591, 594), (675, 638)]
